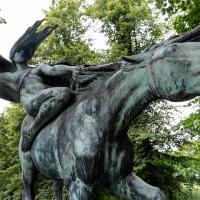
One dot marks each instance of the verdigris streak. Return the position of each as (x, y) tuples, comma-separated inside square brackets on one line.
[(76, 128)]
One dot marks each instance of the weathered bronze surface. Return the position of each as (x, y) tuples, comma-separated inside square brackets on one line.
[(78, 125)]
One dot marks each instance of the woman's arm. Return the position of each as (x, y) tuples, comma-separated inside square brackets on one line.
[(57, 70)]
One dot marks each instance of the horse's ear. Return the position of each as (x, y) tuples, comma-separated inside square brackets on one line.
[(137, 58), (6, 65), (196, 39)]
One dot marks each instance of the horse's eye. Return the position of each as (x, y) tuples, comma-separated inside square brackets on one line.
[(170, 49)]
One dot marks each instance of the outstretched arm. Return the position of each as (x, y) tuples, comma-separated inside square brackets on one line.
[(57, 70)]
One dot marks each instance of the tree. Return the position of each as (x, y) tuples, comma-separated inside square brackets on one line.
[(154, 158), (191, 147), (10, 172), (191, 124), (150, 134), (129, 25), (68, 40), (183, 13)]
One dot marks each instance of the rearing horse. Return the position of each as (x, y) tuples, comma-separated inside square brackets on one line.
[(87, 147)]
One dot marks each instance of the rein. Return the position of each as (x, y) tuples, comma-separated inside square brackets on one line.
[(23, 76)]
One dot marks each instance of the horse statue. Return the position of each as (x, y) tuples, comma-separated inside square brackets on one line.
[(86, 146)]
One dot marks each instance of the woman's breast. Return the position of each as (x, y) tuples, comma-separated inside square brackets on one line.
[(32, 84)]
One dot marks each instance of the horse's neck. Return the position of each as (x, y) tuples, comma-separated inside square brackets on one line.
[(129, 93)]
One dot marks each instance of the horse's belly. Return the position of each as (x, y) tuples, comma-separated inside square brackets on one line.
[(44, 155)]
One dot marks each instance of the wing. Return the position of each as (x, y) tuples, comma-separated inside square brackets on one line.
[(6, 65), (30, 40)]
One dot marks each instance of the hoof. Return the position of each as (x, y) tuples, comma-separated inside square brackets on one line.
[(26, 196)]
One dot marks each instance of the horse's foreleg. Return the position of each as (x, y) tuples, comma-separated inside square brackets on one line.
[(132, 188), (58, 189), (88, 168), (78, 190), (29, 172)]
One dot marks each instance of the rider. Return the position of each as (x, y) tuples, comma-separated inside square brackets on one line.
[(38, 99), (41, 101)]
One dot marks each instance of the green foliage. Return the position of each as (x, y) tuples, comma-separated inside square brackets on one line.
[(68, 40), (150, 135), (105, 195), (190, 150), (162, 157), (129, 25), (10, 173), (187, 194), (179, 169), (191, 124), (184, 13)]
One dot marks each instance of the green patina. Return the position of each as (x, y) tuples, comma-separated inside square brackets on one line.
[(80, 139)]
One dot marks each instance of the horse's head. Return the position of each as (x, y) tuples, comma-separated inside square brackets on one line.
[(174, 71)]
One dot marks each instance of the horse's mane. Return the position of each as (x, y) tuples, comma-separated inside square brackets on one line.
[(88, 77), (190, 36)]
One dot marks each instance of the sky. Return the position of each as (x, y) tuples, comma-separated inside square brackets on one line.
[(20, 14)]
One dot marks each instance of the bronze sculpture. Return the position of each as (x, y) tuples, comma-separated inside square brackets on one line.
[(86, 146)]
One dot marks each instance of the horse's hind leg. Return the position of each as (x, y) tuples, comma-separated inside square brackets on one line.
[(29, 172), (134, 188), (58, 189)]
